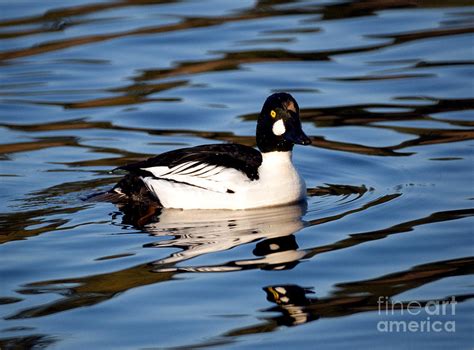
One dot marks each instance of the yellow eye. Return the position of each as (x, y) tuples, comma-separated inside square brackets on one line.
[(273, 114)]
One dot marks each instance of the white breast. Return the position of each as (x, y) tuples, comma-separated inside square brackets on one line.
[(279, 181), (227, 188)]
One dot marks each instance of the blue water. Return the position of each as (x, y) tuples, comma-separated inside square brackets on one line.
[(386, 237)]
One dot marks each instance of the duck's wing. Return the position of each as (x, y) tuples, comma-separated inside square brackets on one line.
[(213, 167)]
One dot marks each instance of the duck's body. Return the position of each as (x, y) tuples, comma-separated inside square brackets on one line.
[(204, 182), (227, 176)]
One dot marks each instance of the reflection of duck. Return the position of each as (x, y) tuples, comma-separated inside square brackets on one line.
[(226, 176), (292, 302), (202, 232)]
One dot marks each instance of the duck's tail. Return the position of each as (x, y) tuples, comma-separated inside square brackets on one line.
[(133, 198), (130, 189)]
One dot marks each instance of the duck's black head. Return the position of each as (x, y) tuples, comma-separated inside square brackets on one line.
[(279, 125)]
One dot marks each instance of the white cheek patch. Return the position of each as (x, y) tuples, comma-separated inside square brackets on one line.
[(278, 128)]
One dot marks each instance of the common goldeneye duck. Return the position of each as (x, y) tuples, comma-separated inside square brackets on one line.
[(227, 176)]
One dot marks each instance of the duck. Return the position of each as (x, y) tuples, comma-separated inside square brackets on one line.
[(227, 175)]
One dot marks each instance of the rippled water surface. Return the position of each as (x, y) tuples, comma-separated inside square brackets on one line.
[(386, 92)]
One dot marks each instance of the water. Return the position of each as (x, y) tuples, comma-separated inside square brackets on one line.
[(386, 92)]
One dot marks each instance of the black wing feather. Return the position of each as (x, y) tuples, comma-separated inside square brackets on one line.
[(243, 158)]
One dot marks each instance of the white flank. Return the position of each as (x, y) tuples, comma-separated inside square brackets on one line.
[(279, 128), (194, 186)]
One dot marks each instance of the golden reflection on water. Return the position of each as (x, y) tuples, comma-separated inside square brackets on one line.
[(349, 115)]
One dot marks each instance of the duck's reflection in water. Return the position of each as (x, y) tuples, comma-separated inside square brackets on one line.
[(292, 303), (202, 232), (270, 235)]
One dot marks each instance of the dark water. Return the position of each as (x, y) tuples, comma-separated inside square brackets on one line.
[(386, 91)]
